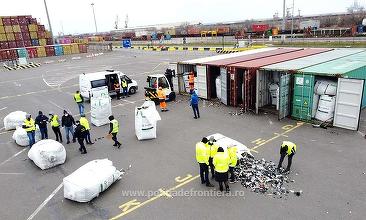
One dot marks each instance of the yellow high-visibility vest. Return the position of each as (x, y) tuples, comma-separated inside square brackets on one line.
[(115, 126), (54, 121), (84, 122), (124, 83), (221, 162), (212, 149), (291, 147), (233, 157), (77, 97), (30, 125), (201, 153)]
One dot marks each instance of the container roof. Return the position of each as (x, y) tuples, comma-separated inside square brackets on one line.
[(225, 56), (279, 58), (225, 62), (312, 60), (339, 66)]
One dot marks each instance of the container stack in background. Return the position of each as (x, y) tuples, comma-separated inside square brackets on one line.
[(23, 36)]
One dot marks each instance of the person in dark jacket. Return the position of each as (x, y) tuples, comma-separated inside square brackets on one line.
[(80, 135), (194, 104), (41, 121), (68, 122)]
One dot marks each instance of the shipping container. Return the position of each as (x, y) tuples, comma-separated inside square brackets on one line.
[(18, 36), (48, 34), (50, 51), (9, 54), (14, 20), (33, 21), (32, 52), (49, 41), (22, 53), (4, 45), (41, 51), (59, 50), (41, 34), (33, 35), (66, 49), (42, 42), (16, 28), (313, 24), (35, 42), (260, 27), (83, 48), (349, 74), (27, 43), (8, 29), (24, 28), (1, 21), (12, 44), (194, 31), (6, 21), (26, 36), (20, 44), (32, 27), (3, 38), (2, 29), (10, 36), (3, 54), (23, 21), (74, 48), (223, 30), (41, 28)]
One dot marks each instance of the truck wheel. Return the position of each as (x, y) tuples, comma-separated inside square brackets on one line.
[(132, 90), (172, 96)]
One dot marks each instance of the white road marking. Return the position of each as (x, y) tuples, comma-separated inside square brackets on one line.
[(10, 158), (56, 105), (44, 203), (12, 173), (16, 80), (3, 108), (44, 80)]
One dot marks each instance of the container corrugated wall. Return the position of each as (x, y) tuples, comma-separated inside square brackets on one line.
[(360, 74)]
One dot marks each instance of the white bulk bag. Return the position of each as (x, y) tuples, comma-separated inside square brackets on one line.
[(326, 107), (325, 87), (21, 138), (225, 142), (101, 109), (274, 90), (146, 117), (14, 119), (218, 87), (47, 153), (315, 104), (88, 181)]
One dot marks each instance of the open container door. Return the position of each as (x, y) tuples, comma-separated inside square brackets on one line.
[(202, 81), (223, 77), (261, 93), (348, 103), (173, 66), (284, 97)]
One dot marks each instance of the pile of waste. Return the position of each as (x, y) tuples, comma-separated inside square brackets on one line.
[(261, 176)]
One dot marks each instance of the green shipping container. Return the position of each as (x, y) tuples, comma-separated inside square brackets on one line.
[(22, 53), (303, 96)]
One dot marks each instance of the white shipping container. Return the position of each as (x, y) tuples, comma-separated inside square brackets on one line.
[(310, 23)]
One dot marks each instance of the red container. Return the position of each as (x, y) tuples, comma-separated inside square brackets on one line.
[(24, 28), (82, 48), (32, 52), (27, 43), (26, 36), (20, 44), (3, 55), (18, 36), (14, 20), (12, 44), (260, 27), (50, 51), (41, 34), (8, 54), (4, 45), (41, 28), (6, 21), (193, 30), (23, 20), (33, 21), (49, 41)]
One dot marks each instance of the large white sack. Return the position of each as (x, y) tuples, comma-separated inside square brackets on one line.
[(225, 142), (146, 117), (14, 119), (274, 91), (88, 181), (325, 87), (218, 87), (315, 105), (326, 108), (101, 109), (21, 138), (47, 153)]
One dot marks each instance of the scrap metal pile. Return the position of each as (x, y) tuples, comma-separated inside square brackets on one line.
[(261, 176)]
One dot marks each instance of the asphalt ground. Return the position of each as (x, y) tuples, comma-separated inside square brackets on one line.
[(162, 183)]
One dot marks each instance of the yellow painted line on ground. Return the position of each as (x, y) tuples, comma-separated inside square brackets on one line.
[(201, 49), (288, 128), (134, 204), (212, 49), (190, 48)]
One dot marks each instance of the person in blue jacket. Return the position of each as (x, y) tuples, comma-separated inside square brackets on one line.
[(194, 104)]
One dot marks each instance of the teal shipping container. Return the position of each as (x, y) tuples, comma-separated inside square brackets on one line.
[(59, 50), (350, 74), (22, 53)]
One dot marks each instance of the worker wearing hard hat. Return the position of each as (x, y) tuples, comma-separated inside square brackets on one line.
[(162, 96), (212, 148), (232, 151), (29, 126), (221, 161), (287, 148), (202, 155)]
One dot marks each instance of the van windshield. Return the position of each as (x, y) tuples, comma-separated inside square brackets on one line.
[(98, 83)]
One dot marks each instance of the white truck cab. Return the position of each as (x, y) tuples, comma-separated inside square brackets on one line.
[(90, 81), (154, 82)]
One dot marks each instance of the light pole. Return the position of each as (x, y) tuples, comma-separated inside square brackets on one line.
[(48, 19), (284, 16), (95, 21), (292, 19)]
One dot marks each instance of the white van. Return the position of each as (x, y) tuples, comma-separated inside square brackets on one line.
[(89, 81)]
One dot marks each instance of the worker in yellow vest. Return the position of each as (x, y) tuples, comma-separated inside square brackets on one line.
[(212, 148), (55, 124), (84, 122), (79, 101), (29, 126), (162, 96), (221, 162), (113, 130), (125, 88), (202, 155), (287, 148), (232, 151)]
